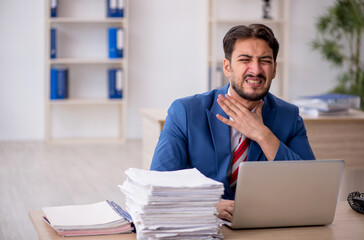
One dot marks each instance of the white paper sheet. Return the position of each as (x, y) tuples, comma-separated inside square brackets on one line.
[(81, 215)]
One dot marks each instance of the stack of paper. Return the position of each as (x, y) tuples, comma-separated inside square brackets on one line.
[(327, 104), (94, 219), (173, 205)]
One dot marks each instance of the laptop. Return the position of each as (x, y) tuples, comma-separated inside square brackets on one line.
[(286, 193)]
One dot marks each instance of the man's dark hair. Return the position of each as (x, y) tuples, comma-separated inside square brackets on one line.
[(259, 31)]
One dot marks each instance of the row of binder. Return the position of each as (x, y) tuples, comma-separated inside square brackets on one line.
[(114, 8), (59, 83), (115, 40)]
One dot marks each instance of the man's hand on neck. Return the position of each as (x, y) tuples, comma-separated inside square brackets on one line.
[(250, 124)]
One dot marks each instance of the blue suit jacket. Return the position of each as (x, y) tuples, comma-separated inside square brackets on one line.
[(193, 137)]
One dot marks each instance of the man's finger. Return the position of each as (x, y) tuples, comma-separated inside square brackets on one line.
[(225, 120), (225, 215), (240, 107), (225, 209), (229, 108)]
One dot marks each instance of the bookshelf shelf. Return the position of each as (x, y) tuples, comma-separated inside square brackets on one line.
[(87, 114), (87, 20), (86, 61)]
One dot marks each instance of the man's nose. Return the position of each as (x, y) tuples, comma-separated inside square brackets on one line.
[(254, 67)]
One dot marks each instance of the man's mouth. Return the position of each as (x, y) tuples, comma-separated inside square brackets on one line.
[(255, 81)]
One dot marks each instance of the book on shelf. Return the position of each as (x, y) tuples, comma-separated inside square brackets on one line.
[(115, 8), (111, 8), (327, 104), (53, 42), (100, 218), (59, 83), (115, 83), (54, 7), (116, 43), (121, 6)]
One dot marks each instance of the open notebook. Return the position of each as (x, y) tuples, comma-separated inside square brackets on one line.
[(104, 217)]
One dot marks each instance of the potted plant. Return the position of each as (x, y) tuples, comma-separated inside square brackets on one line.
[(339, 40)]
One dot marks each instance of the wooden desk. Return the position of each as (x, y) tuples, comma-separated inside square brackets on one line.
[(347, 225), (340, 137), (153, 122)]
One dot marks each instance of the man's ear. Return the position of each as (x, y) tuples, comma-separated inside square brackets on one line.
[(274, 70), (226, 68)]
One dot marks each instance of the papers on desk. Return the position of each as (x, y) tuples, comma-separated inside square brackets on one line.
[(173, 205), (94, 219), (327, 104)]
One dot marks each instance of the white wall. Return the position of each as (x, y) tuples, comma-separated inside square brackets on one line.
[(309, 73), (167, 59), (21, 69), (167, 54)]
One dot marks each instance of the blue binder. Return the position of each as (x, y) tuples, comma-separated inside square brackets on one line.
[(53, 85), (59, 84), (120, 8), (112, 43), (54, 7), (111, 7), (53, 43), (116, 42), (120, 42), (62, 84), (111, 82), (115, 83)]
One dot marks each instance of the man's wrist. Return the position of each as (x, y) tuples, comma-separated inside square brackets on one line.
[(269, 144), (264, 136)]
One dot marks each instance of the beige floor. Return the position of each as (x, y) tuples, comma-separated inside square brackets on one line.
[(35, 174)]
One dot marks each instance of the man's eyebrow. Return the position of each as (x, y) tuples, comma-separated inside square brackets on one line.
[(270, 57), (245, 55)]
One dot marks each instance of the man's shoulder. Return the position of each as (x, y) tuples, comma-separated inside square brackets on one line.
[(280, 105), (276, 102), (200, 101)]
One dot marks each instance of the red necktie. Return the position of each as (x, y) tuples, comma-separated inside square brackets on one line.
[(239, 156)]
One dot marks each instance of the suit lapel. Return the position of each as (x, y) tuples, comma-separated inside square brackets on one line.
[(220, 133)]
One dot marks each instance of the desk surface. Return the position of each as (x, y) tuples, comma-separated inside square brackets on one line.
[(347, 225)]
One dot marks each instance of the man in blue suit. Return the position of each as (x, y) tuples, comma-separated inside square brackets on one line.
[(203, 131)]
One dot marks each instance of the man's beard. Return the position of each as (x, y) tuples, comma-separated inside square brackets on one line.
[(252, 96)]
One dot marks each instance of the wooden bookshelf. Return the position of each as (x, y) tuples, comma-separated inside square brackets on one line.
[(87, 20)]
